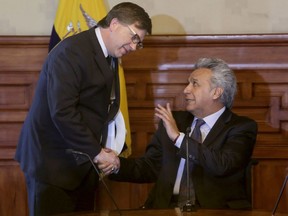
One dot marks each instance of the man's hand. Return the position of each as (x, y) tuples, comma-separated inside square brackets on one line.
[(169, 122), (107, 161)]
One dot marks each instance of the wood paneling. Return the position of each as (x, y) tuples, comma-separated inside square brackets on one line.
[(13, 200), (158, 74)]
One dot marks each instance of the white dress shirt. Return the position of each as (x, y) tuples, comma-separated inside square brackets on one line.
[(205, 129), (101, 42)]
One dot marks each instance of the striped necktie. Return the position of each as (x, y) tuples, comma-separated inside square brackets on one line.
[(188, 194)]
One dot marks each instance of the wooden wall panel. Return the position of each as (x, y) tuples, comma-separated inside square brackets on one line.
[(158, 74), (269, 176), (13, 199)]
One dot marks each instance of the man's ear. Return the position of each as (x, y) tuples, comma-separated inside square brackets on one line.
[(114, 22), (217, 92)]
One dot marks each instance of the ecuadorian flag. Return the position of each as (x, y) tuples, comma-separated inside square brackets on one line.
[(74, 16)]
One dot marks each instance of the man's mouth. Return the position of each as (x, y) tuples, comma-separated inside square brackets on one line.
[(126, 51)]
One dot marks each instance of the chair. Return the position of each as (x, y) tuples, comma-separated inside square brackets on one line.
[(248, 174)]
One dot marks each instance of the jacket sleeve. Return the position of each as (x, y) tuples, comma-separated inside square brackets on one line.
[(146, 168)]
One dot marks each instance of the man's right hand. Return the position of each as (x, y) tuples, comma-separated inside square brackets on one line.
[(107, 161)]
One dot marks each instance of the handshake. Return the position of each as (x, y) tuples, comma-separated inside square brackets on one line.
[(107, 161)]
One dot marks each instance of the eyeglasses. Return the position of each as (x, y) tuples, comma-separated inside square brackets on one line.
[(136, 39)]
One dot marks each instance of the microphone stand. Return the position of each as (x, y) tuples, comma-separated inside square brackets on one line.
[(188, 207), (280, 195), (101, 177)]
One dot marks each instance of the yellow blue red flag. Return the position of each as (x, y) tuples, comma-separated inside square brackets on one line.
[(74, 16)]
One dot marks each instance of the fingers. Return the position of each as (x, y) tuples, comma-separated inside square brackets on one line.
[(111, 168), (165, 114), (108, 169), (105, 155), (107, 161)]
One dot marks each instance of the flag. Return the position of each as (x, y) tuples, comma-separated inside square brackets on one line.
[(74, 16), (124, 110)]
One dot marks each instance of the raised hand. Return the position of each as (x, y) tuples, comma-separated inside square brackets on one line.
[(169, 122)]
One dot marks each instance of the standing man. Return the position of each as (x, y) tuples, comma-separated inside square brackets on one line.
[(218, 159), (76, 96)]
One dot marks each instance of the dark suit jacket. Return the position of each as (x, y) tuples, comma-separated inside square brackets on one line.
[(219, 163), (69, 111)]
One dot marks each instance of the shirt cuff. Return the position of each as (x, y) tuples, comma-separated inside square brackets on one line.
[(179, 140)]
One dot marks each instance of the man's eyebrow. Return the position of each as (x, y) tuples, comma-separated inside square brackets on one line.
[(192, 79)]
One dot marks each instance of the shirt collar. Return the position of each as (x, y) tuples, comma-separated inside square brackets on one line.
[(211, 119), (101, 42)]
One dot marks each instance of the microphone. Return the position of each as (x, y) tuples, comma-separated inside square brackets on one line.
[(188, 207), (101, 176)]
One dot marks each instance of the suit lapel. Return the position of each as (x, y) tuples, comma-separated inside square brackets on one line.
[(218, 127), (100, 59), (107, 73)]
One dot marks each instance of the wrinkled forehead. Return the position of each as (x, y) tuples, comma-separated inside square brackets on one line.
[(201, 74)]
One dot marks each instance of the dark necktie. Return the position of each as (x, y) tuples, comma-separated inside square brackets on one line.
[(114, 98), (184, 191), (108, 58), (111, 62)]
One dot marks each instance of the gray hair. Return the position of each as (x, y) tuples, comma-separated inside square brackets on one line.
[(222, 76)]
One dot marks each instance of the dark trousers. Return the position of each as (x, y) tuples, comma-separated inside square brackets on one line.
[(45, 199)]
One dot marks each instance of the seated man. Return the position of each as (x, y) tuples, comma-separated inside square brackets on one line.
[(217, 161)]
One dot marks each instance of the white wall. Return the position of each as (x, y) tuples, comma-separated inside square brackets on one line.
[(35, 17)]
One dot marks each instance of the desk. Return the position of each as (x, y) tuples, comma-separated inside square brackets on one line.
[(175, 212)]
